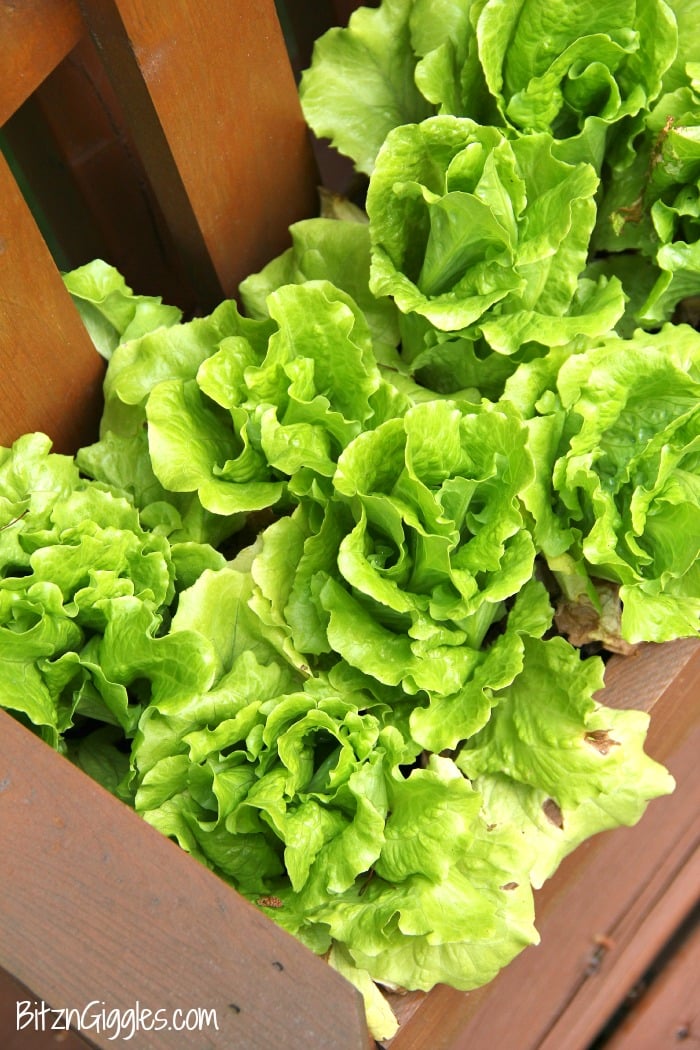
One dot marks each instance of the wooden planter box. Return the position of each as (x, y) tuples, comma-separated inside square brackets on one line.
[(156, 134)]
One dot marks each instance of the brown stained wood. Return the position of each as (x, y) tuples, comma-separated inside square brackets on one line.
[(630, 886), (35, 35), (637, 681), (634, 943), (50, 374), (17, 1034), (213, 108), (667, 1016), (97, 905), (77, 155)]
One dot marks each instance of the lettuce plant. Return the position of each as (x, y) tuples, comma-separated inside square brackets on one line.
[(232, 408), (617, 487), (305, 787), (651, 207), (86, 593), (569, 69), (480, 241), (404, 570), (573, 71)]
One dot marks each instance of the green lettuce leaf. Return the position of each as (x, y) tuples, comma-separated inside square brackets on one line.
[(556, 762), (361, 82), (85, 592), (484, 237), (110, 310), (617, 486)]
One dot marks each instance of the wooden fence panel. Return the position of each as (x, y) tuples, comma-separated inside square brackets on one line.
[(35, 36), (213, 109), (50, 374), (667, 1015), (98, 906)]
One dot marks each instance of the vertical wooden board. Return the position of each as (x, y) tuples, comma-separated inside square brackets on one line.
[(50, 373), (98, 907), (667, 1015), (73, 144), (212, 105), (625, 952), (35, 36)]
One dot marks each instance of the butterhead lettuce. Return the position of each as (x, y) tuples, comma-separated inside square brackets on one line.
[(86, 592), (617, 492), (481, 242), (574, 71), (300, 781)]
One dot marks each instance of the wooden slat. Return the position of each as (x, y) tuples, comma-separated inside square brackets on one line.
[(215, 116), (634, 940), (50, 373), (17, 1037), (35, 36), (667, 1016), (76, 152), (97, 905), (626, 889)]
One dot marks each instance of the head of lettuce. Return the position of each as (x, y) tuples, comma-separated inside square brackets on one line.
[(616, 499), (482, 239)]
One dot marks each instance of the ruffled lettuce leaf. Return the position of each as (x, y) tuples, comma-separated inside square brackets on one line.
[(361, 82), (86, 592), (566, 765), (325, 249), (110, 310), (616, 494), (485, 238)]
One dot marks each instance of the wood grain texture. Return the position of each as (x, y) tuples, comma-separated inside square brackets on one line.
[(51, 373), (215, 116), (639, 680), (77, 155), (35, 36), (667, 1015), (18, 1036), (97, 905), (627, 888)]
